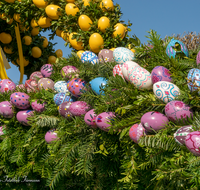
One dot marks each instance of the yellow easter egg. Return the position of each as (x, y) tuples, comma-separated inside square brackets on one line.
[(96, 42), (86, 2), (71, 9), (119, 30), (52, 11), (44, 22), (84, 22), (103, 23), (79, 53), (76, 45), (107, 5), (40, 3)]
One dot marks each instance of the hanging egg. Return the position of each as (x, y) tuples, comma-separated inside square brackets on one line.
[(68, 71), (117, 70), (105, 55), (6, 109), (46, 70), (160, 73), (122, 54), (37, 106), (50, 136), (136, 132), (198, 58), (64, 110), (154, 121), (63, 97), (103, 120), (20, 100), (61, 86), (98, 83), (178, 111), (192, 142), (23, 115), (31, 85), (89, 57), (35, 75), (45, 83), (166, 91), (128, 66), (7, 85), (181, 134), (79, 108), (90, 118), (193, 79)]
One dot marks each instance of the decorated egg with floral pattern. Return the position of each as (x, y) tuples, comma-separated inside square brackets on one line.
[(68, 71), (105, 55), (128, 65), (23, 115), (90, 118), (79, 108), (46, 70), (45, 83), (63, 97), (7, 85), (51, 135), (36, 75), (20, 100), (89, 56), (64, 110), (6, 109), (136, 132), (61, 86), (38, 106), (31, 85), (117, 70), (193, 79)]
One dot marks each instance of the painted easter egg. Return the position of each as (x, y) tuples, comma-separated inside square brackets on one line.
[(103, 120), (136, 132), (23, 115), (97, 84), (181, 134), (6, 109), (105, 55), (51, 135), (76, 87), (79, 108), (178, 110), (122, 54), (160, 73), (89, 57), (140, 77), (165, 91), (68, 71), (20, 100), (36, 75), (198, 58), (154, 121), (2, 130), (36, 106), (20, 87), (31, 85), (61, 86), (193, 79), (46, 70), (45, 83), (63, 97), (90, 118), (117, 70), (128, 65), (64, 110), (192, 142), (172, 44), (7, 85)]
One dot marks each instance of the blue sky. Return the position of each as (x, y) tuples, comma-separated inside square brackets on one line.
[(166, 17)]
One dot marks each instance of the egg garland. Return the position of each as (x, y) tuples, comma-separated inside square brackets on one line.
[(193, 79), (20, 100), (7, 85), (117, 70), (136, 132), (46, 70), (89, 56), (23, 115), (97, 84), (64, 110), (63, 97), (90, 118), (105, 55), (45, 83), (61, 86), (68, 71), (51, 136), (6, 109), (79, 108)]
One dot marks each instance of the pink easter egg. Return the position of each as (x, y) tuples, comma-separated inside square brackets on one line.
[(117, 70), (192, 142), (68, 71), (79, 108), (20, 87), (177, 110), (23, 115), (64, 110), (45, 83), (2, 130), (6, 109), (198, 58), (46, 70), (7, 85), (103, 120), (136, 131), (154, 121), (90, 118), (37, 106), (20, 100), (51, 135), (105, 55), (35, 75), (31, 85)]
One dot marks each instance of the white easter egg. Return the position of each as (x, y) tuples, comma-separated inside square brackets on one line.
[(126, 66), (61, 86), (165, 91), (122, 54), (140, 77)]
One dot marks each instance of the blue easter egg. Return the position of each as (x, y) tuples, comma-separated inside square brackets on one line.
[(61, 86), (171, 52), (89, 56), (62, 97), (97, 83), (193, 79)]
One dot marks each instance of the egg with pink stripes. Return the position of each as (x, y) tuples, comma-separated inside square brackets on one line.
[(117, 70), (136, 132)]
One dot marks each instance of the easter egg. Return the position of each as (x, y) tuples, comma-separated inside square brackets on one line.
[(178, 110), (46, 70), (154, 121), (62, 97), (79, 108), (96, 42), (122, 54), (181, 134), (98, 83), (90, 118), (198, 58), (117, 70), (193, 79), (165, 91), (171, 52), (84, 22), (136, 132), (126, 67), (31, 85), (45, 83), (64, 110), (105, 55), (20, 87), (103, 120), (23, 115), (76, 86), (36, 106), (160, 73), (89, 57), (2, 130), (68, 71), (20, 100), (7, 85), (35, 75), (192, 142), (50, 136), (140, 77), (61, 86), (6, 109)]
